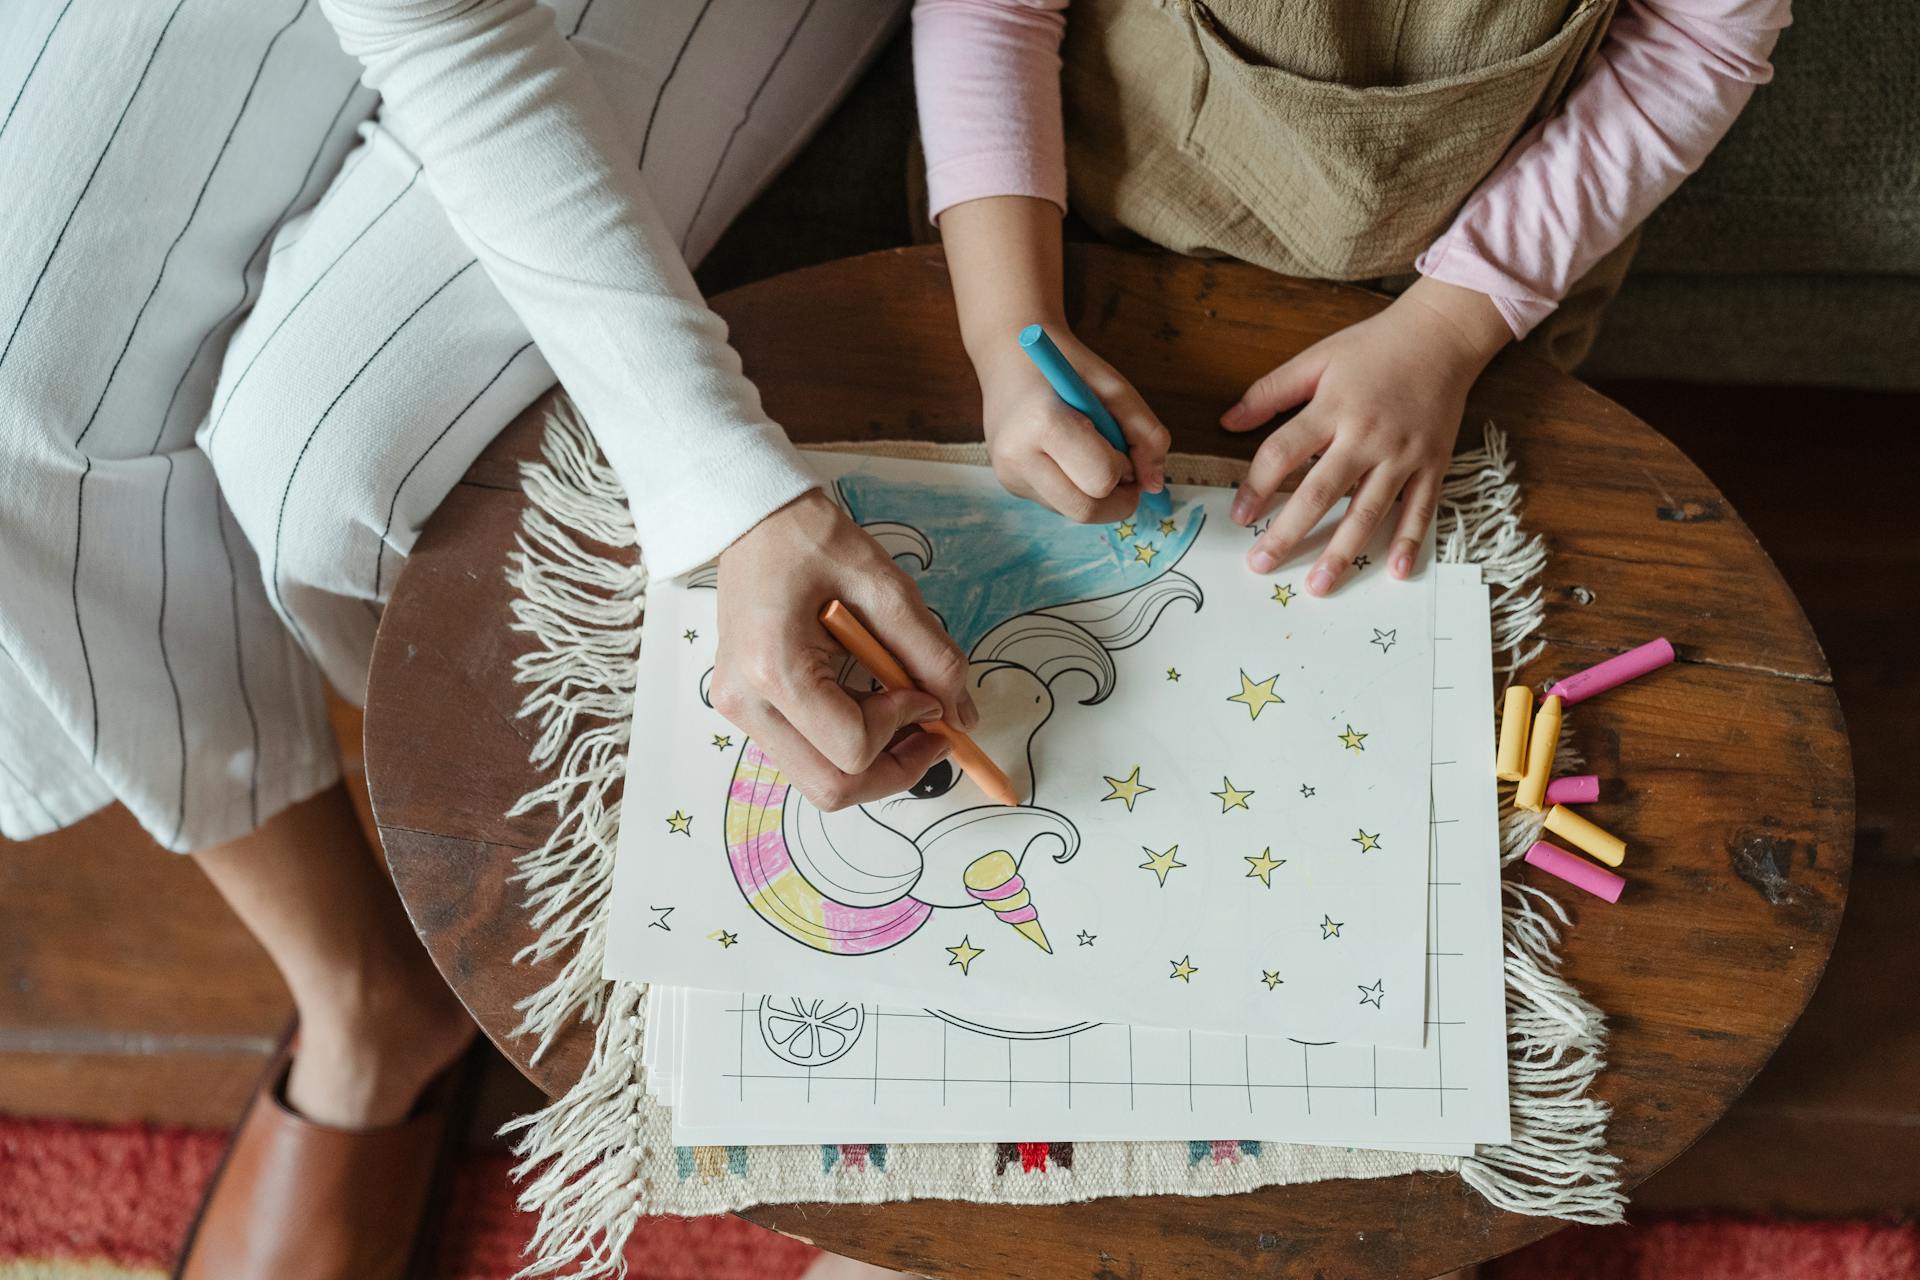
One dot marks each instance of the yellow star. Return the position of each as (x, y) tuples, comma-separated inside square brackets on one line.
[(722, 740), (724, 938), (1230, 798), (680, 824), (964, 955), (1329, 927), (1173, 675), (1271, 977), (1161, 863), (1124, 529), (1255, 695), (1144, 552), (1263, 866), (691, 635), (1283, 592), (1353, 740), (1367, 843), (1127, 789), (1167, 525), (1182, 970)]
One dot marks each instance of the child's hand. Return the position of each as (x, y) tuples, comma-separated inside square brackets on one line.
[(1003, 256), (1384, 399), (1046, 451)]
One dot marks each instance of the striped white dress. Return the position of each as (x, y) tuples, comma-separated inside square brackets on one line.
[(250, 337)]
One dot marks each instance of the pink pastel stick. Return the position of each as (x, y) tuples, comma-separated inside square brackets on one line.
[(1614, 671), (1579, 788), (1575, 870)]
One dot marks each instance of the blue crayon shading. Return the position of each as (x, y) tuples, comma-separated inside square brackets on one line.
[(1070, 387), (995, 556)]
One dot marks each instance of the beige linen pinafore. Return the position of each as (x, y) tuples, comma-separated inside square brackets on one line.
[(1334, 139)]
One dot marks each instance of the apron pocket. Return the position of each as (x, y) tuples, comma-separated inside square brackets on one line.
[(1356, 181)]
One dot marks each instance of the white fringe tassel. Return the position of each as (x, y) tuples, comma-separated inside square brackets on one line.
[(583, 608), (1480, 524), (583, 1158)]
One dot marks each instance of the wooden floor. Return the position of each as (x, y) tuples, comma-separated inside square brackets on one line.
[(128, 992)]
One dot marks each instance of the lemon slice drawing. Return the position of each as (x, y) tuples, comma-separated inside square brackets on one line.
[(808, 1032)]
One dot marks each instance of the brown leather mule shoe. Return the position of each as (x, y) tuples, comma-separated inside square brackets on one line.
[(295, 1200)]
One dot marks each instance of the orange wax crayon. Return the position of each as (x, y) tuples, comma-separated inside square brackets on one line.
[(860, 642)]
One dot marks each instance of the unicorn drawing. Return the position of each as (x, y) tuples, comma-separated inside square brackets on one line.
[(1041, 607)]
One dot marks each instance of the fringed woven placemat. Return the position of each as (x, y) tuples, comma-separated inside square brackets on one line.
[(599, 1158)]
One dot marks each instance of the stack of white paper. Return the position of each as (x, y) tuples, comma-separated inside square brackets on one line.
[(1254, 892)]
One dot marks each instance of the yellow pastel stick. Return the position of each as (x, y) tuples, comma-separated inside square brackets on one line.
[(1541, 742), (1511, 764), (1576, 830)]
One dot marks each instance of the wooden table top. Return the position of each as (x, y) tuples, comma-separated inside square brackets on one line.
[(1738, 796)]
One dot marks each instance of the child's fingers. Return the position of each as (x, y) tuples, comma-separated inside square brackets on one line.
[(1147, 438), (1278, 457), (1095, 467), (1364, 514), (1325, 485), (1421, 498), (1053, 487), (1281, 389)]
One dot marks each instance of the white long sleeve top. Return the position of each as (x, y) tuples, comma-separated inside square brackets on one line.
[(519, 145)]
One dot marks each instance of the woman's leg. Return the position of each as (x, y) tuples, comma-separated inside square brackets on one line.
[(147, 152), (376, 1020), (377, 364)]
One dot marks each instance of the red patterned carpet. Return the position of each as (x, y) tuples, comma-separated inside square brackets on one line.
[(80, 1202)]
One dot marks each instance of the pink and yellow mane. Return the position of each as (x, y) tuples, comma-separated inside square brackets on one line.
[(775, 889)]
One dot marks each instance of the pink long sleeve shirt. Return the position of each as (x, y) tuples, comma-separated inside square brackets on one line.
[(1668, 81)]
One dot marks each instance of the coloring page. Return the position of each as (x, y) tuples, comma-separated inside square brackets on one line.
[(1225, 781), (822, 1068)]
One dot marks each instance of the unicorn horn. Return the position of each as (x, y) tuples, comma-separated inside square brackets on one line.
[(994, 879)]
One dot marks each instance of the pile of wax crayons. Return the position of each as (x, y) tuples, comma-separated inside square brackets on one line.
[(1527, 742)]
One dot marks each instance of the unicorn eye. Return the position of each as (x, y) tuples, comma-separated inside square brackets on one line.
[(937, 781)]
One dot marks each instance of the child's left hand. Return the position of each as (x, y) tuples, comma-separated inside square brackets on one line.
[(1383, 402)]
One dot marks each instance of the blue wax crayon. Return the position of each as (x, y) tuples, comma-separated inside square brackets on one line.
[(1070, 387)]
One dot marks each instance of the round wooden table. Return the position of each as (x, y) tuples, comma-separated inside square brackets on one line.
[(1738, 796)]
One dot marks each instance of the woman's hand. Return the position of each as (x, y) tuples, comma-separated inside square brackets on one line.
[(1046, 451), (777, 671), (1384, 399)]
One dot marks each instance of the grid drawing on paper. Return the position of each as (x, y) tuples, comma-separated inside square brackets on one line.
[(746, 1009)]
